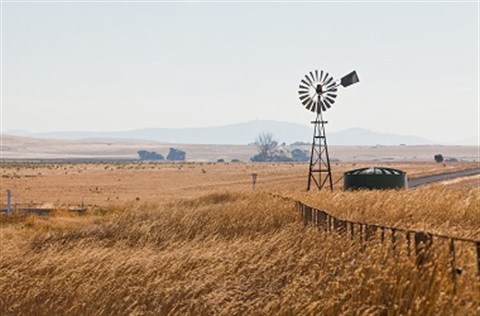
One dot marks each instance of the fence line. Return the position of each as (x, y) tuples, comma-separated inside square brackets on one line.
[(422, 240)]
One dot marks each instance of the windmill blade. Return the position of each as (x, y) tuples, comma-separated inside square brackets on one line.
[(316, 75), (303, 97), (331, 90), (305, 83), (321, 76), (303, 93), (313, 78), (328, 81), (310, 103), (331, 95), (325, 78), (303, 89), (327, 105), (323, 106), (331, 101), (331, 85), (314, 106), (310, 83), (305, 101)]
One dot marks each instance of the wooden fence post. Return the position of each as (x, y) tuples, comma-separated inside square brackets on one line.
[(478, 257), (370, 231), (340, 226), (453, 265), (322, 219), (408, 242), (423, 242), (393, 239)]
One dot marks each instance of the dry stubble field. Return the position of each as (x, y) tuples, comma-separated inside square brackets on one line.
[(180, 239)]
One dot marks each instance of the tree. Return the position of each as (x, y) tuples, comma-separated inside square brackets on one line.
[(176, 155), (149, 155), (300, 155), (266, 144), (438, 158)]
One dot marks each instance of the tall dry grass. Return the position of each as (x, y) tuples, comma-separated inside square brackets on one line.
[(438, 209), (223, 254)]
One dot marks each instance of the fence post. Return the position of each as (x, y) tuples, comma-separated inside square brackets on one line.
[(408, 243), (478, 257), (303, 212), (423, 242), (370, 230), (9, 204), (393, 239), (340, 226), (453, 265), (322, 219), (305, 215)]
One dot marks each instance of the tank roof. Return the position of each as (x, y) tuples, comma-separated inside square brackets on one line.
[(375, 171)]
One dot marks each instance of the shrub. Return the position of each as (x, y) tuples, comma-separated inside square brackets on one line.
[(176, 155), (149, 155)]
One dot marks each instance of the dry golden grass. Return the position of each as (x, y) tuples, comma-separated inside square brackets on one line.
[(225, 253), (436, 208), (166, 239)]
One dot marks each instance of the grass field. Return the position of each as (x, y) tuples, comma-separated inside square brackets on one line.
[(196, 239)]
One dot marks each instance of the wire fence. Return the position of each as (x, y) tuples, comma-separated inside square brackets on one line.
[(416, 244)]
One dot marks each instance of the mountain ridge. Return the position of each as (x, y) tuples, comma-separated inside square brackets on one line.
[(244, 133)]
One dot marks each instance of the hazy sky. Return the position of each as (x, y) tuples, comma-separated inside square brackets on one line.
[(75, 66)]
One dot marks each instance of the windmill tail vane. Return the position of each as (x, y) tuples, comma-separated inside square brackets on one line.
[(349, 79)]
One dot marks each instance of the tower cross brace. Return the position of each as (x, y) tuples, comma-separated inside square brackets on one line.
[(319, 170)]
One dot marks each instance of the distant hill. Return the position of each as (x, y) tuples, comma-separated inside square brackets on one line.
[(240, 134), (361, 136)]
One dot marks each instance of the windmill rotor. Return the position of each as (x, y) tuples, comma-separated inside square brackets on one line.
[(317, 91)]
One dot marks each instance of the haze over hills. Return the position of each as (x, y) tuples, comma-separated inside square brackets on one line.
[(245, 133)]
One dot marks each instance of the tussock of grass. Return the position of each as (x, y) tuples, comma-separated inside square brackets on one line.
[(222, 254)]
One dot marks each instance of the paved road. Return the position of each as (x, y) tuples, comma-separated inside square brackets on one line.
[(442, 177)]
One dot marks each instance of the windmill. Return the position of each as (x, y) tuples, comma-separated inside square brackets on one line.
[(318, 92)]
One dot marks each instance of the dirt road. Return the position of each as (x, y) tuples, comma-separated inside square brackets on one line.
[(442, 177)]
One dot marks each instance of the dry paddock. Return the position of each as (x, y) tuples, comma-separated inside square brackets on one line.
[(101, 184)]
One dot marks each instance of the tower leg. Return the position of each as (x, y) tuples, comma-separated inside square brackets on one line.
[(319, 173)]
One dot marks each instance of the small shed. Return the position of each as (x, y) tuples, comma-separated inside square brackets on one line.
[(374, 178)]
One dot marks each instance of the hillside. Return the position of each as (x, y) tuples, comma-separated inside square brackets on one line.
[(243, 134)]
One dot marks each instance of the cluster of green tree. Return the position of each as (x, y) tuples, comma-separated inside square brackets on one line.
[(223, 160), (268, 152), (173, 155), (439, 158), (149, 155)]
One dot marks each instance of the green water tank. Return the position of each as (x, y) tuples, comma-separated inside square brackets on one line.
[(374, 178)]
